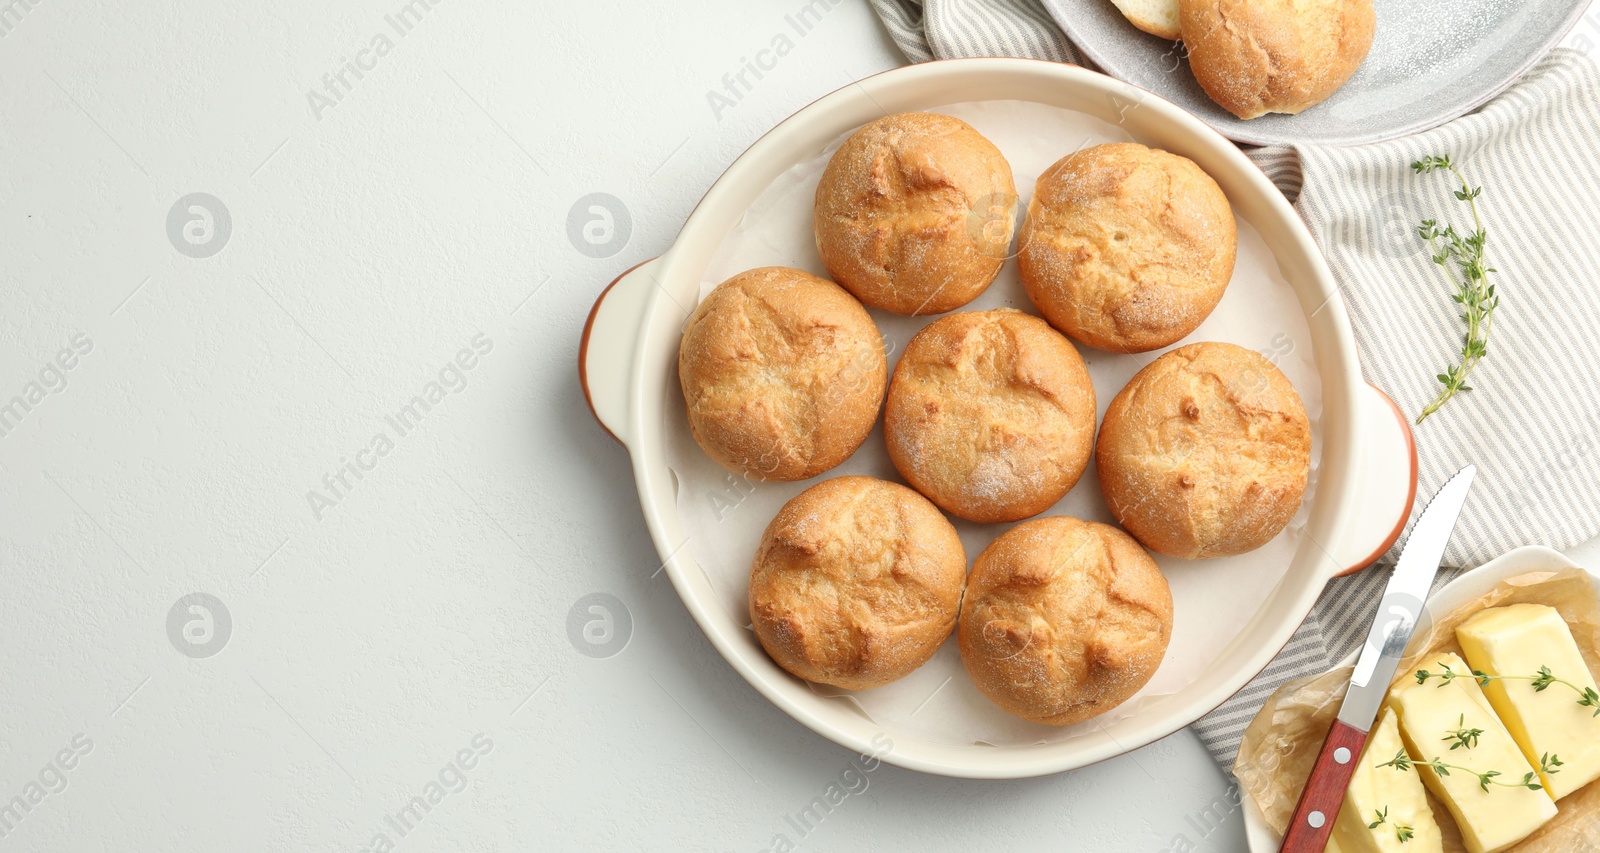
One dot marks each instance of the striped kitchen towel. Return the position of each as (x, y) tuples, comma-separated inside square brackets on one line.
[(1532, 425), (953, 29)]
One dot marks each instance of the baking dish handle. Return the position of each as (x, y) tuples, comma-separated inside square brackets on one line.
[(606, 350), (1387, 487)]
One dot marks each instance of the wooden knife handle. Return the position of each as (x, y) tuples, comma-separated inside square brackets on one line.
[(1324, 793)]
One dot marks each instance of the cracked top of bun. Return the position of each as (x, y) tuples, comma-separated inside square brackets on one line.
[(1206, 452), (1064, 619), (1127, 248), (990, 414), (856, 583), (1255, 57), (783, 374), (913, 213)]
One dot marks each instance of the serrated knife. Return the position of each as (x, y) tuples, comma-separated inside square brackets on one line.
[(1398, 613)]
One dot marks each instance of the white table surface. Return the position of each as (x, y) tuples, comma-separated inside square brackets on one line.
[(424, 610)]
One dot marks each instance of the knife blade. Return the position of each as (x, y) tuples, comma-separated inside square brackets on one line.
[(1399, 611), (1401, 605)]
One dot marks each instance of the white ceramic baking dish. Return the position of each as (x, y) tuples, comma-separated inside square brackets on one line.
[(627, 363)]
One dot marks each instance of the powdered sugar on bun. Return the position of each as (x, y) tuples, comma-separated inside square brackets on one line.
[(1206, 452), (1255, 57), (1127, 248), (897, 211), (990, 414), (783, 373), (857, 582), (1064, 620)]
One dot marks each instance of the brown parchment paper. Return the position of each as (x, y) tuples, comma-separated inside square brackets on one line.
[(1281, 744)]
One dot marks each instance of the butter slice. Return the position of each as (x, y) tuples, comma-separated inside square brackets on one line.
[(1517, 640), (1375, 788), (1492, 820), (1333, 845)]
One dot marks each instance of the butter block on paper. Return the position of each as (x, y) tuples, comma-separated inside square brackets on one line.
[(1397, 793), (1517, 640), (1490, 820)]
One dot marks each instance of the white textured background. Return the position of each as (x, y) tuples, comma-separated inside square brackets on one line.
[(430, 605)]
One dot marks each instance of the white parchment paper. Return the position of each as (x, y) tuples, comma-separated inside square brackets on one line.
[(724, 515)]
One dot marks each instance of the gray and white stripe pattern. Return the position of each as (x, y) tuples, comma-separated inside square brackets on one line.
[(956, 29), (1533, 424)]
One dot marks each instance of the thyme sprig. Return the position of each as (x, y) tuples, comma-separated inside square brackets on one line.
[(1587, 697), (1469, 281), (1402, 831), (1548, 765), (1462, 737)]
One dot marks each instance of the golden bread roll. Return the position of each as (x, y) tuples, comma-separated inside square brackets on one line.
[(857, 582), (990, 414), (1156, 17), (1064, 619), (1274, 56), (1206, 452), (904, 213), (1127, 248), (783, 373)]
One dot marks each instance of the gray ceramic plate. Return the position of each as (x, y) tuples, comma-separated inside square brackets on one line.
[(1431, 61)]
